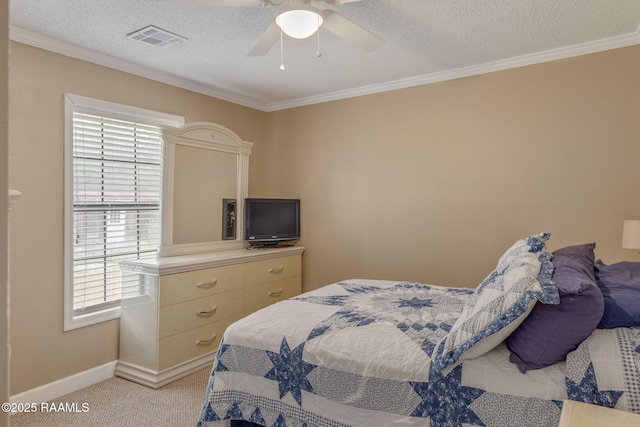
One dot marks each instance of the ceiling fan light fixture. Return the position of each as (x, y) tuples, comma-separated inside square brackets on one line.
[(299, 23)]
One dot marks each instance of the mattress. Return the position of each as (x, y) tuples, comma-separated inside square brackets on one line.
[(358, 352)]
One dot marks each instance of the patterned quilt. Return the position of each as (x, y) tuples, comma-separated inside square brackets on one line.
[(358, 352)]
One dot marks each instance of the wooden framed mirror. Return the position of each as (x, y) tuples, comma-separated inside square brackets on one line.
[(205, 166)]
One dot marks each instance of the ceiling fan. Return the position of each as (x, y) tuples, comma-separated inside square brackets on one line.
[(296, 18)]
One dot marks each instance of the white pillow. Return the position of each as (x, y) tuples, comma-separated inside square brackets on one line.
[(500, 303)]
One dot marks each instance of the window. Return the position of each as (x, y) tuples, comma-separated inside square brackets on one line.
[(112, 196)]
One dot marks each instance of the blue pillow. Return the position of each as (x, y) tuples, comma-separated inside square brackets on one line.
[(499, 304), (620, 286), (550, 332)]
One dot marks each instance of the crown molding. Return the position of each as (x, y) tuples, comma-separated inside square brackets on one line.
[(489, 67), (47, 43), (37, 40)]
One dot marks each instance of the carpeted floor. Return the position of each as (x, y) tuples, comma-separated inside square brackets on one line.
[(120, 403)]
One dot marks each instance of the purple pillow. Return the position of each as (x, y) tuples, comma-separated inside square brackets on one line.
[(620, 286), (550, 332)]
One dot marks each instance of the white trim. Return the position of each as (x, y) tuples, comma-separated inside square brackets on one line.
[(166, 210), (124, 112), (155, 379), (13, 197), (43, 42), (201, 261), (74, 322), (68, 214), (208, 136), (66, 385), (473, 70), (23, 36)]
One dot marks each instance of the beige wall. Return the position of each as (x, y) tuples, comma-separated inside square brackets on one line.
[(42, 352), (428, 184), (433, 183), (4, 179)]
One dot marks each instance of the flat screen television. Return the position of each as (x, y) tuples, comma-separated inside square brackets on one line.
[(271, 222)]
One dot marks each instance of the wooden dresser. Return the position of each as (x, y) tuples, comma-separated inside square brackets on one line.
[(174, 328)]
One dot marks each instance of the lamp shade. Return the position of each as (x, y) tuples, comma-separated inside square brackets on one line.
[(299, 23), (631, 234)]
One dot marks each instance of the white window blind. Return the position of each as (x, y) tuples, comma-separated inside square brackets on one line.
[(117, 183)]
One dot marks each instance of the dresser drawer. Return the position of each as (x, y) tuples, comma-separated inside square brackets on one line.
[(265, 294), (179, 323), (187, 315), (187, 345), (175, 288), (269, 270)]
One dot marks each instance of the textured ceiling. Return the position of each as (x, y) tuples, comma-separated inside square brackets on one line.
[(425, 40)]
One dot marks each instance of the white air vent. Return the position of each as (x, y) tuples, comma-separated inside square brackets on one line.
[(156, 36)]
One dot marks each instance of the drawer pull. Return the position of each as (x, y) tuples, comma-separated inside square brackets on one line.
[(276, 270), (206, 313), (207, 285), (276, 293), (207, 342)]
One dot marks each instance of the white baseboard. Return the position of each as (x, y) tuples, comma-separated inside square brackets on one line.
[(66, 385), (157, 379)]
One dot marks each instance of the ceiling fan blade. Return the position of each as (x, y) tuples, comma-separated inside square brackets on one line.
[(342, 1), (266, 41), (350, 31), (209, 3)]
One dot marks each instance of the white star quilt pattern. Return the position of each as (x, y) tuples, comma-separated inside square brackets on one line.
[(359, 353)]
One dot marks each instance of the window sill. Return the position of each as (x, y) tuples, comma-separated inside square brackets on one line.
[(75, 322)]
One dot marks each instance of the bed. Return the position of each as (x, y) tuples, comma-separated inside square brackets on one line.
[(391, 353)]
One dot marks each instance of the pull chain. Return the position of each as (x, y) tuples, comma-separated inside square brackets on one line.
[(281, 52), (318, 53)]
